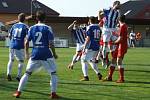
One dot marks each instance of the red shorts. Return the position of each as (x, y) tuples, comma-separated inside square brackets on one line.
[(119, 53)]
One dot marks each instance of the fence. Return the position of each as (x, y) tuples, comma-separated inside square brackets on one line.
[(65, 43), (60, 43)]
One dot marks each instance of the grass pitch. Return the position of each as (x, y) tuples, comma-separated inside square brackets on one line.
[(136, 86)]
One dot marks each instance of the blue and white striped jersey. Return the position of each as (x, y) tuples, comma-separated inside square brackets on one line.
[(17, 33), (111, 18), (79, 35), (41, 35)]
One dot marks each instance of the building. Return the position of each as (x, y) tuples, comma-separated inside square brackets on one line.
[(138, 19), (9, 10)]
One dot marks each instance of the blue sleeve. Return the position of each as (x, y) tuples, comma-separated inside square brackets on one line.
[(50, 35), (29, 36), (10, 31), (106, 12), (27, 29), (88, 31)]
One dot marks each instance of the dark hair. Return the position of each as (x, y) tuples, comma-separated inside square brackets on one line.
[(116, 2), (40, 16), (122, 18), (92, 19), (21, 17)]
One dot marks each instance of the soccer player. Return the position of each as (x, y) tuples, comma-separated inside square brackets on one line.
[(101, 19), (90, 50), (79, 35), (110, 24), (42, 38), (120, 51), (17, 35)]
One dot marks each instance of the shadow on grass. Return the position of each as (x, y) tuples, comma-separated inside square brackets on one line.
[(137, 82), (138, 64), (146, 71), (40, 98), (113, 85)]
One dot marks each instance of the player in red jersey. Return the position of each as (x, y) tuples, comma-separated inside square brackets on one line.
[(101, 19), (120, 51)]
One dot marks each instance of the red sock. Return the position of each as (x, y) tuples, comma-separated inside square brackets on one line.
[(121, 74), (111, 71)]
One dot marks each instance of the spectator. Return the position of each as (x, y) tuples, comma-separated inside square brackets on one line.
[(132, 37)]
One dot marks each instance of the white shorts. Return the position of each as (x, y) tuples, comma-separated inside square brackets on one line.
[(48, 65), (111, 48), (114, 38), (79, 47), (107, 34), (19, 54), (89, 55)]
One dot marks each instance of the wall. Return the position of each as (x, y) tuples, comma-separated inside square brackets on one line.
[(145, 41), (60, 31), (7, 17)]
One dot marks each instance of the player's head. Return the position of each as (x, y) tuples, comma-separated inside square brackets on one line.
[(40, 16), (92, 20), (122, 18), (21, 17), (76, 24), (101, 14), (116, 4)]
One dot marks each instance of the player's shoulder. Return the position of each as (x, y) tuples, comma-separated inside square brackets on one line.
[(44, 26), (41, 25), (20, 24), (94, 26), (124, 26)]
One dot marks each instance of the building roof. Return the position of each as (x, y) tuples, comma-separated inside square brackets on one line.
[(24, 6), (139, 9), (50, 19)]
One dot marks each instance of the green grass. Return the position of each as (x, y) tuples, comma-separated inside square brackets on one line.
[(2, 43), (136, 87)]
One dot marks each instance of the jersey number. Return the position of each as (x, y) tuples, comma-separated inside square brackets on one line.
[(96, 34), (18, 32), (39, 36)]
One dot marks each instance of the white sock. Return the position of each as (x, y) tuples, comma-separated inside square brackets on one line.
[(94, 67), (20, 67), (84, 68), (98, 56), (9, 67), (104, 52), (53, 83), (23, 81), (74, 59)]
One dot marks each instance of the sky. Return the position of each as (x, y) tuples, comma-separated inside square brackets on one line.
[(78, 8)]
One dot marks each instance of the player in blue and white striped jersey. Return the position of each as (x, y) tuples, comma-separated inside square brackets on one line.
[(110, 26), (42, 37), (79, 36), (17, 36)]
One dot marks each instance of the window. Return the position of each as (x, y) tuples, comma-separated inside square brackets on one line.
[(147, 14), (4, 4), (36, 5)]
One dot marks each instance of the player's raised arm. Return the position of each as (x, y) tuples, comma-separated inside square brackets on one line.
[(71, 26)]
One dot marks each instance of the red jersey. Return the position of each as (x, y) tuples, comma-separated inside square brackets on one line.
[(101, 22), (123, 44)]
